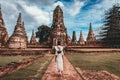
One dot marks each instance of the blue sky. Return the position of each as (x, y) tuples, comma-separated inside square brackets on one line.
[(77, 14)]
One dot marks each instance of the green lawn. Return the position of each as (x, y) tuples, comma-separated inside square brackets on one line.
[(4, 60), (109, 62), (32, 72)]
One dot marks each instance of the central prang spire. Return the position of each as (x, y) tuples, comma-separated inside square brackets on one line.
[(58, 18), (59, 32)]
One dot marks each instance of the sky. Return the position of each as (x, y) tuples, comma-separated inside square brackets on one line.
[(77, 14)]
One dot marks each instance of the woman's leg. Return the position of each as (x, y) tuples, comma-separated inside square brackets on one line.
[(59, 72), (62, 72)]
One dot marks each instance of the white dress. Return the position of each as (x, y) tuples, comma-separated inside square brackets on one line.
[(59, 60)]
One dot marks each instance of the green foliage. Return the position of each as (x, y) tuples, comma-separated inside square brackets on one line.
[(109, 62), (43, 33), (110, 33)]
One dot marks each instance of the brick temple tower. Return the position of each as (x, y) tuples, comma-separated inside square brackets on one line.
[(91, 38), (81, 39), (19, 38), (59, 32), (3, 31), (74, 41), (33, 40)]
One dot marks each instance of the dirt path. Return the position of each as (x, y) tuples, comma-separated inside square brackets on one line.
[(68, 74)]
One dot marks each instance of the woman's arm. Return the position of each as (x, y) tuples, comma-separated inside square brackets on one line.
[(55, 58), (63, 58)]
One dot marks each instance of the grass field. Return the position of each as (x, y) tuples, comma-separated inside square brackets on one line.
[(32, 72), (4, 60), (109, 62)]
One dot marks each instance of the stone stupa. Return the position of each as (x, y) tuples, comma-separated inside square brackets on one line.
[(91, 38), (81, 39), (19, 38), (3, 31)]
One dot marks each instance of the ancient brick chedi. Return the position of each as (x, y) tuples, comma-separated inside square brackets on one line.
[(3, 31), (91, 38), (81, 39), (59, 32), (18, 39), (74, 40), (33, 40)]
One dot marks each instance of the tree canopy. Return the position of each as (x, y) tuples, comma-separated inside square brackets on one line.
[(110, 33), (43, 33)]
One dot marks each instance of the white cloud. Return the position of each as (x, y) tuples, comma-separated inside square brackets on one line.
[(75, 8), (58, 3), (94, 14), (41, 16)]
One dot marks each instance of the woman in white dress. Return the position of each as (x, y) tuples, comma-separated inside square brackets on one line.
[(59, 58)]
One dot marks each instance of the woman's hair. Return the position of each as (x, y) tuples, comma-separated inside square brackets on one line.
[(58, 43)]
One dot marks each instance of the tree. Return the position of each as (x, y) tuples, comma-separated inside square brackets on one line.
[(43, 33), (110, 33)]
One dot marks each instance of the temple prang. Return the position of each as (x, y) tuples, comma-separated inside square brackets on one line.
[(91, 37), (59, 32), (74, 40), (81, 39), (3, 31), (18, 40), (33, 39)]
